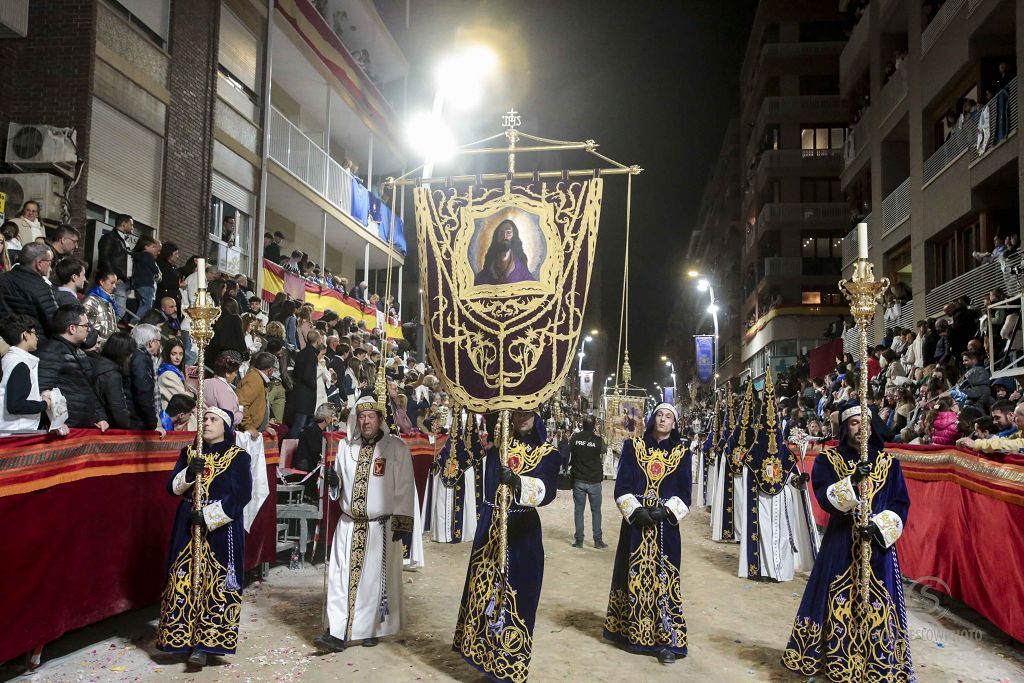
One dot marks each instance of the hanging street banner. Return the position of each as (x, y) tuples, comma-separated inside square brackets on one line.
[(669, 394), (705, 349), (505, 273), (587, 384)]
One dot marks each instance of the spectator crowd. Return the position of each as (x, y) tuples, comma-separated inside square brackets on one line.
[(109, 347)]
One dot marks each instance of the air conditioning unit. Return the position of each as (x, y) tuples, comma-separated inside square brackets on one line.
[(44, 188), (32, 147)]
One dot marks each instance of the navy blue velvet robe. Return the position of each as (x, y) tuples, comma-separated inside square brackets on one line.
[(452, 471), (503, 654), (826, 638), (211, 623), (649, 618)]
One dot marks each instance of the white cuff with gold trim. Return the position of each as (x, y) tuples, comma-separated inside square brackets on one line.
[(890, 525), (628, 504), (214, 516), (531, 491), (179, 485), (677, 507), (842, 495)]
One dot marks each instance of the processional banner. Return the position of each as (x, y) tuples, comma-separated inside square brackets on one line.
[(704, 346), (505, 273), (624, 418)]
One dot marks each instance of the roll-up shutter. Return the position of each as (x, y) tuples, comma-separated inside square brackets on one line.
[(233, 194), (125, 165), (239, 50), (153, 13)]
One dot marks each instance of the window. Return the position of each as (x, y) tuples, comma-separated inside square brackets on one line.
[(822, 254), (813, 138), (952, 252), (820, 190), (238, 54), (230, 238), (151, 17)]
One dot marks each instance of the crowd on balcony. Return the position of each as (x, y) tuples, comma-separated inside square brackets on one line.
[(855, 11), (110, 347), (893, 65), (926, 385)]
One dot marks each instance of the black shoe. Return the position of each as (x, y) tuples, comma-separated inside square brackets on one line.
[(666, 656), (370, 642), (328, 643), (600, 544), (577, 544), (197, 660)]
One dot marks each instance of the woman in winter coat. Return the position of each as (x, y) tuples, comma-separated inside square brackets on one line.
[(171, 373), (169, 284), (110, 372), (228, 334), (944, 428)]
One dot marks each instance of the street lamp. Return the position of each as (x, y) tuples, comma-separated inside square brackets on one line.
[(704, 285)]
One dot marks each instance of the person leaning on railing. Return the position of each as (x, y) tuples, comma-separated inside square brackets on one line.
[(1000, 444), (21, 402)]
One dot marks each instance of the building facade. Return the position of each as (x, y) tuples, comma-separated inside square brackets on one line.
[(210, 122)]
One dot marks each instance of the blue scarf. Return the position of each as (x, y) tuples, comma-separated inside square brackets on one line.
[(98, 292), (167, 366)]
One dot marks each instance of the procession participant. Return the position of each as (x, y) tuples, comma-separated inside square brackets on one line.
[(372, 479), (727, 512), (706, 453), (497, 638), (776, 541), (831, 635), (207, 622), (450, 510), (652, 490)]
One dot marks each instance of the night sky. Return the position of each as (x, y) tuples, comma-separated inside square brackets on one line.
[(655, 83)]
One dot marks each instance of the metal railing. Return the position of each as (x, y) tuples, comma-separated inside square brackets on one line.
[(850, 243), (965, 138), (309, 163), (851, 340), (973, 5), (893, 92), (962, 139), (803, 212), (896, 207), (942, 20), (786, 160), (975, 283), (783, 266), (858, 139)]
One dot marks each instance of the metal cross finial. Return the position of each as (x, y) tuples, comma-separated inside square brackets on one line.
[(510, 119)]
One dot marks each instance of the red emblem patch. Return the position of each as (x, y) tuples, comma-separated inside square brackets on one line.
[(515, 463), (378, 467), (655, 469)]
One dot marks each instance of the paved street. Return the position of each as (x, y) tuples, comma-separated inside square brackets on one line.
[(737, 628)]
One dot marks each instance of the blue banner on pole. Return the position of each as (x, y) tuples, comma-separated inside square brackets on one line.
[(705, 347), (670, 395)]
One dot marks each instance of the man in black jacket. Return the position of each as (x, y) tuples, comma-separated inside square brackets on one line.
[(26, 288), (63, 365), (142, 394), (113, 254), (586, 454), (309, 451), (303, 396)]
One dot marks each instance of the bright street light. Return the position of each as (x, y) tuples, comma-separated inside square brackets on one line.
[(595, 332), (703, 284), (693, 273), (713, 308), (460, 75), (430, 137), (589, 338)]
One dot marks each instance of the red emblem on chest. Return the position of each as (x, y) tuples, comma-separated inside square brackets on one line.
[(378, 467), (515, 463), (655, 469)]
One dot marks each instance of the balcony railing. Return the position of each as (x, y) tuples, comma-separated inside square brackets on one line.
[(783, 266), (308, 162), (858, 139), (893, 92), (975, 283), (776, 161), (966, 138), (896, 207), (943, 19), (800, 104), (850, 243), (973, 5), (773, 214)]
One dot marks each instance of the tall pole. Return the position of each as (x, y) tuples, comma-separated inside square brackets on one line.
[(863, 293), (714, 318)]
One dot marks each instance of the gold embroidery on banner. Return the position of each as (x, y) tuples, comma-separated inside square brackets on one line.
[(506, 333), (360, 530), (631, 612), (211, 618)]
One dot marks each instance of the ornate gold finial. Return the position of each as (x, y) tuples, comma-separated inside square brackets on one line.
[(591, 145), (635, 170), (511, 119), (380, 388), (627, 373)]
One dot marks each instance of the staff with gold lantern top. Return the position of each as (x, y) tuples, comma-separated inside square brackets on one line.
[(852, 622), (201, 604)]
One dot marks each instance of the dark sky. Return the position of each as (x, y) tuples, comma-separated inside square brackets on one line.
[(655, 83)]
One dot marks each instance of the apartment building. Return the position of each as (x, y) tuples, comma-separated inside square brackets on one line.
[(933, 156), (793, 122), (210, 122)]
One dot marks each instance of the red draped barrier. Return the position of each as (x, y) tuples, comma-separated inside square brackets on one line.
[(87, 521), (965, 532)]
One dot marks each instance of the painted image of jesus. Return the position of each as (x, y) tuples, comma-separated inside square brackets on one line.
[(505, 261)]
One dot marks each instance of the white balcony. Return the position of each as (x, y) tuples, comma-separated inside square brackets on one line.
[(893, 92), (939, 24), (896, 208)]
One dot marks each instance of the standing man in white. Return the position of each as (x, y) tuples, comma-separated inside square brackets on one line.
[(372, 480)]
